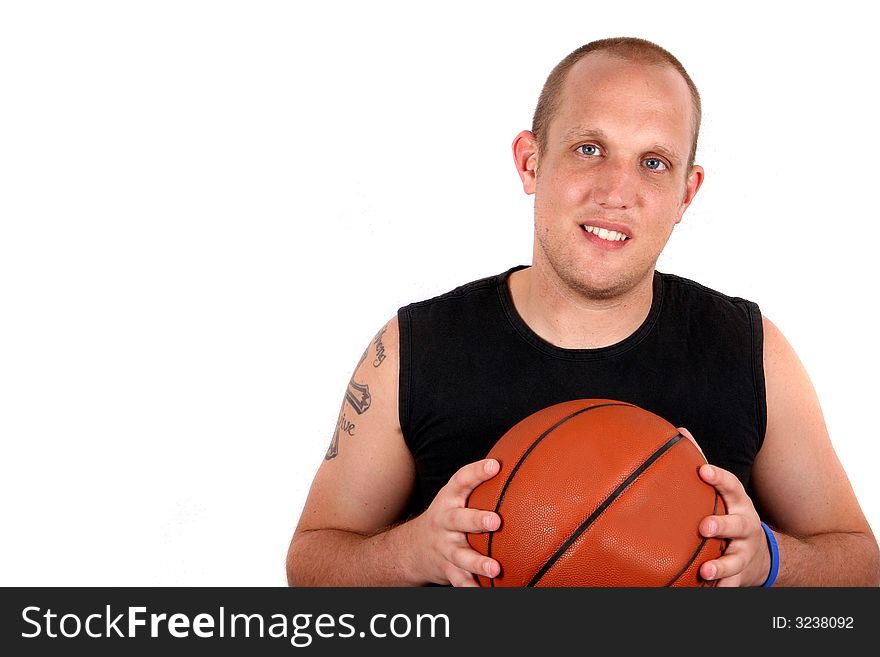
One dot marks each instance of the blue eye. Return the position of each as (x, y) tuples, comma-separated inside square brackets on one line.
[(588, 149), (655, 165)]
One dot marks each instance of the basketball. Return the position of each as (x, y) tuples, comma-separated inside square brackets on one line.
[(597, 492)]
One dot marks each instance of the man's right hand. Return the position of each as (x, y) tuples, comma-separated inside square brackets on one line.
[(441, 547)]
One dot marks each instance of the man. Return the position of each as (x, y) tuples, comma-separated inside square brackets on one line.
[(610, 161)]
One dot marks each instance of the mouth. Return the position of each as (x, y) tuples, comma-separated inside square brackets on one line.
[(605, 236)]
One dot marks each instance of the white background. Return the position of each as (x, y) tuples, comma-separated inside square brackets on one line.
[(208, 209)]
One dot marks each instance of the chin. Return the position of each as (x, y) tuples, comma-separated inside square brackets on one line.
[(601, 285), (591, 277), (592, 290)]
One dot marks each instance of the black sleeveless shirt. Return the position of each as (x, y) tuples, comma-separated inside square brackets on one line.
[(471, 368)]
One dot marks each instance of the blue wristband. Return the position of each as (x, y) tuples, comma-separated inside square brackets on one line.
[(774, 556)]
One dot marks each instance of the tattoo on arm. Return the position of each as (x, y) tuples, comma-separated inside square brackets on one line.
[(380, 348), (357, 395)]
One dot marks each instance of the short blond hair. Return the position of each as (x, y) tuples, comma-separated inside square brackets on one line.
[(628, 48)]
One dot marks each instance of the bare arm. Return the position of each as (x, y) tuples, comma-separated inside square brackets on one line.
[(348, 533), (801, 490), (801, 487)]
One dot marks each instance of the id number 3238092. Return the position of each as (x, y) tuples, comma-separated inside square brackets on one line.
[(813, 623)]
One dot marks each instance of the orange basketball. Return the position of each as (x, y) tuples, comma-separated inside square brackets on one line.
[(597, 492)]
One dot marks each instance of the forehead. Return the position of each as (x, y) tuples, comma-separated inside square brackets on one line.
[(608, 93)]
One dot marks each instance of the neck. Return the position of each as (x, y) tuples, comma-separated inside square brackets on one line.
[(569, 319)]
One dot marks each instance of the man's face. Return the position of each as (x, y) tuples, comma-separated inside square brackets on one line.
[(615, 158)]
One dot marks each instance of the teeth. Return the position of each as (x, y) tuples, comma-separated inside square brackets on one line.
[(605, 234)]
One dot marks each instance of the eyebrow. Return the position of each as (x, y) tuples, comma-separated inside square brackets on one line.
[(577, 134), (581, 134)]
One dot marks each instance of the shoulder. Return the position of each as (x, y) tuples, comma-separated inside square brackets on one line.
[(728, 317), (464, 292), (691, 291), (777, 349), (788, 383)]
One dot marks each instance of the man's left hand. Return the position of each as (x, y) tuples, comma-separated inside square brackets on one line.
[(746, 562)]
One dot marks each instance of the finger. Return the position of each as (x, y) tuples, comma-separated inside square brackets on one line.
[(474, 521), (726, 483), (728, 526), (474, 562), (461, 578), (687, 434), (726, 566), (470, 476)]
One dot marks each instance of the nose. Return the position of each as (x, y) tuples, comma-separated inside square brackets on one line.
[(615, 186)]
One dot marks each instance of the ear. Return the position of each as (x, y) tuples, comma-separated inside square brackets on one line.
[(525, 156), (694, 180)]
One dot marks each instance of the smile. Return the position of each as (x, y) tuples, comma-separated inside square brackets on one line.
[(608, 235)]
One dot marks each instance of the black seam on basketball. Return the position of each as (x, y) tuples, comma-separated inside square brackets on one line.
[(697, 551), (701, 582), (529, 451), (725, 542), (601, 508)]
